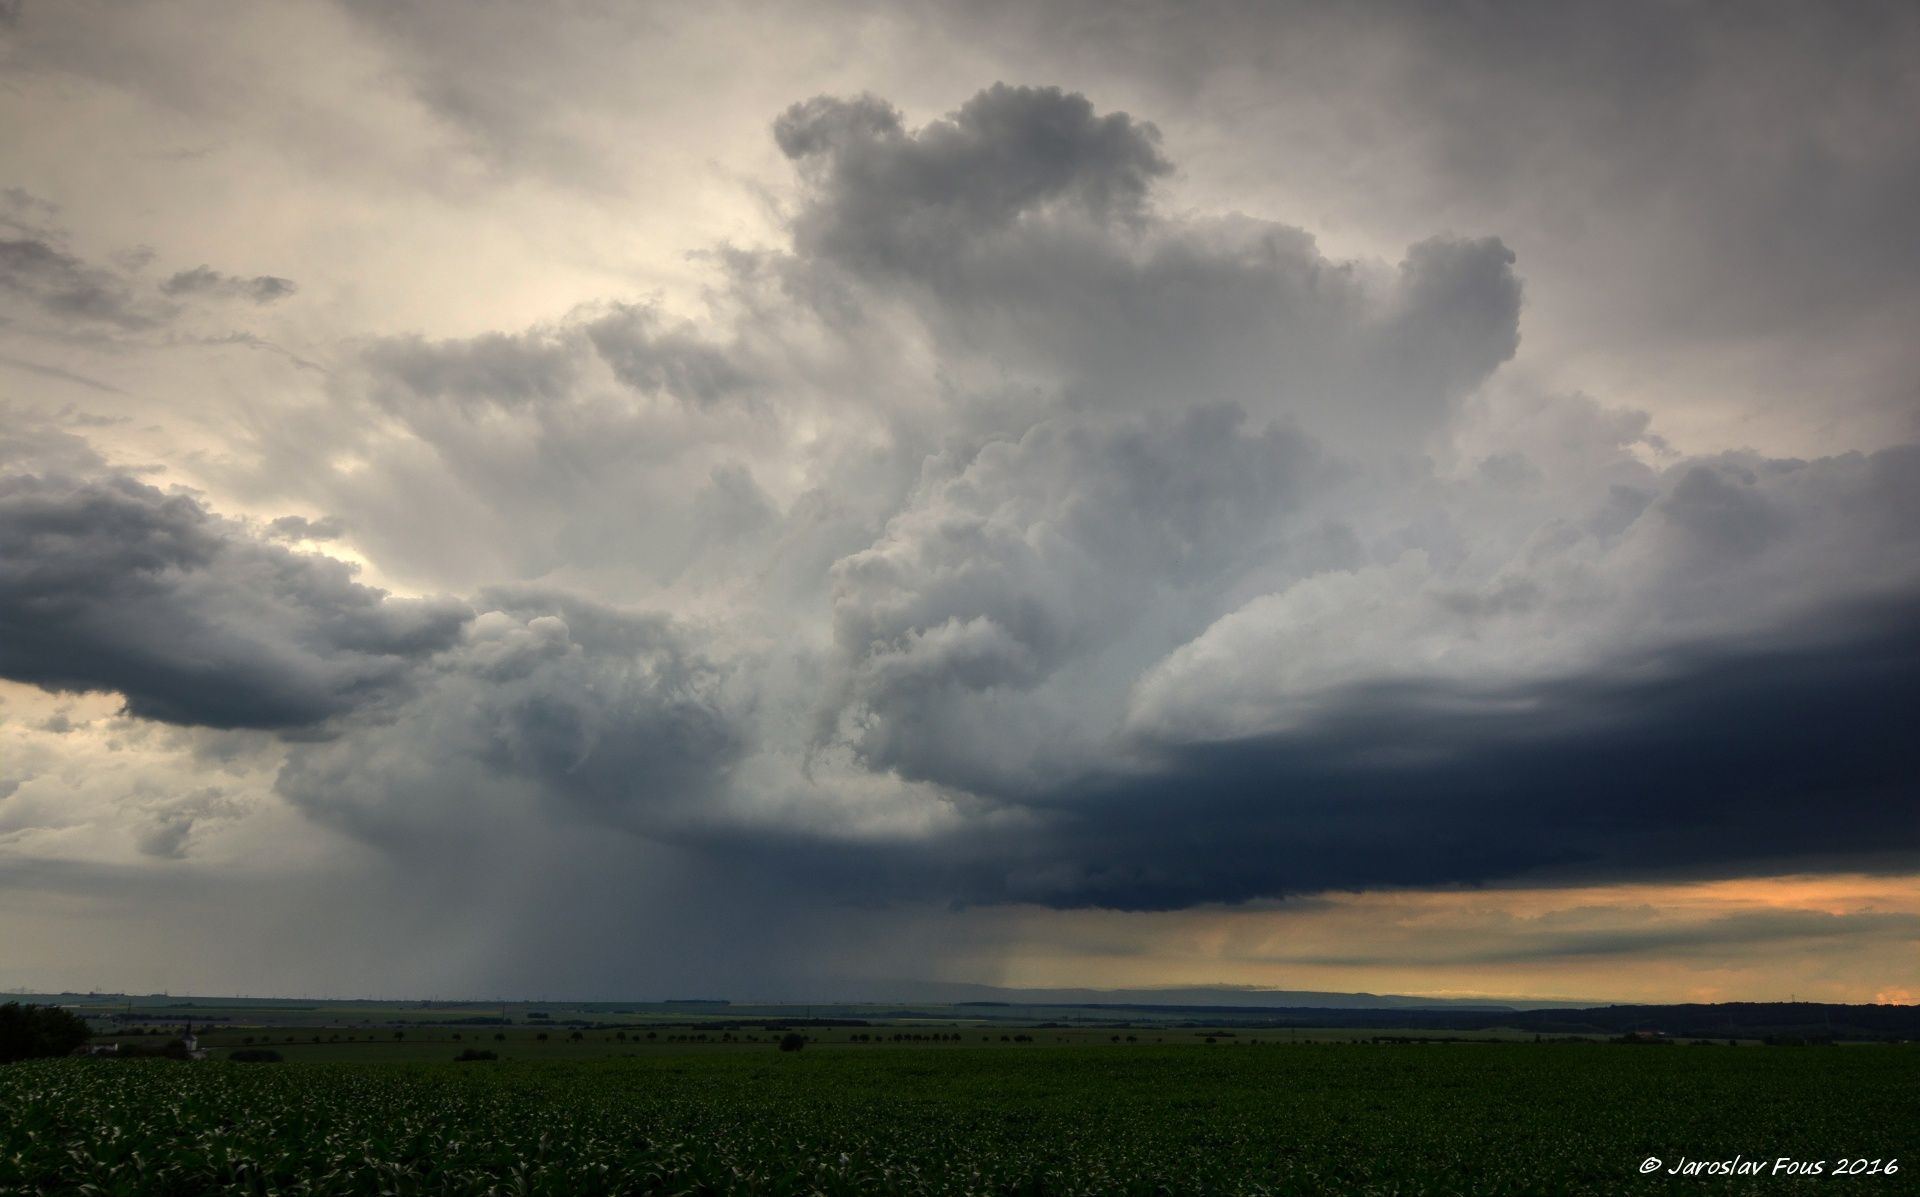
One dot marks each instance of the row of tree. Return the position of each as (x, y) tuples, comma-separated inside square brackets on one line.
[(28, 1032)]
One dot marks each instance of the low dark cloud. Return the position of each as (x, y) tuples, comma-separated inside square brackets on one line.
[(110, 584), (1696, 763)]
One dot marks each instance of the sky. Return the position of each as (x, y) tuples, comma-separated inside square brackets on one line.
[(638, 500)]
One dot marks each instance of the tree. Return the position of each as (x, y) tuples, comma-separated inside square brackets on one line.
[(255, 1055), (27, 1032), (792, 1041)]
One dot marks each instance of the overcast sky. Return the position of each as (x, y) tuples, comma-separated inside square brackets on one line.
[(641, 500)]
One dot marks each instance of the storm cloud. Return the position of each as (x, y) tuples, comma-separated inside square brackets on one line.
[(1171, 627), (1047, 498), (110, 584)]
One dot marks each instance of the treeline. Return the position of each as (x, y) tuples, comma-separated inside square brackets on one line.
[(1809, 1021), (1742, 1020), (30, 1032)]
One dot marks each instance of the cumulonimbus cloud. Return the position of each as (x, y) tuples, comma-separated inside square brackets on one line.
[(1150, 559)]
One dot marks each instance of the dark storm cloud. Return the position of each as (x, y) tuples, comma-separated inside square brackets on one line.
[(1730, 762), (110, 584), (1189, 620), (1060, 548), (205, 281), (1711, 763)]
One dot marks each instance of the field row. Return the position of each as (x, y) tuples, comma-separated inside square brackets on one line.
[(1479, 1119)]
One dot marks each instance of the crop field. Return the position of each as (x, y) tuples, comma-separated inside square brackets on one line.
[(387, 1044), (1176, 1118)]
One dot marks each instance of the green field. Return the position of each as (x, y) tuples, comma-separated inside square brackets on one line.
[(383, 1044), (1088, 1117)]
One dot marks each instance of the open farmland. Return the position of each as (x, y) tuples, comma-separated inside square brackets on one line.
[(967, 1118)]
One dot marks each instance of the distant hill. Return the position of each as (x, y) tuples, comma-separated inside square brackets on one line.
[(1192, 1006), (1229, 996), (1744, 1020), (1808, 1021)]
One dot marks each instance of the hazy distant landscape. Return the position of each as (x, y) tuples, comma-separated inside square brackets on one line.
[(113, 1016)]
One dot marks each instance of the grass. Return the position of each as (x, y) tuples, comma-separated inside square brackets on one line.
[(1181, 1117)]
